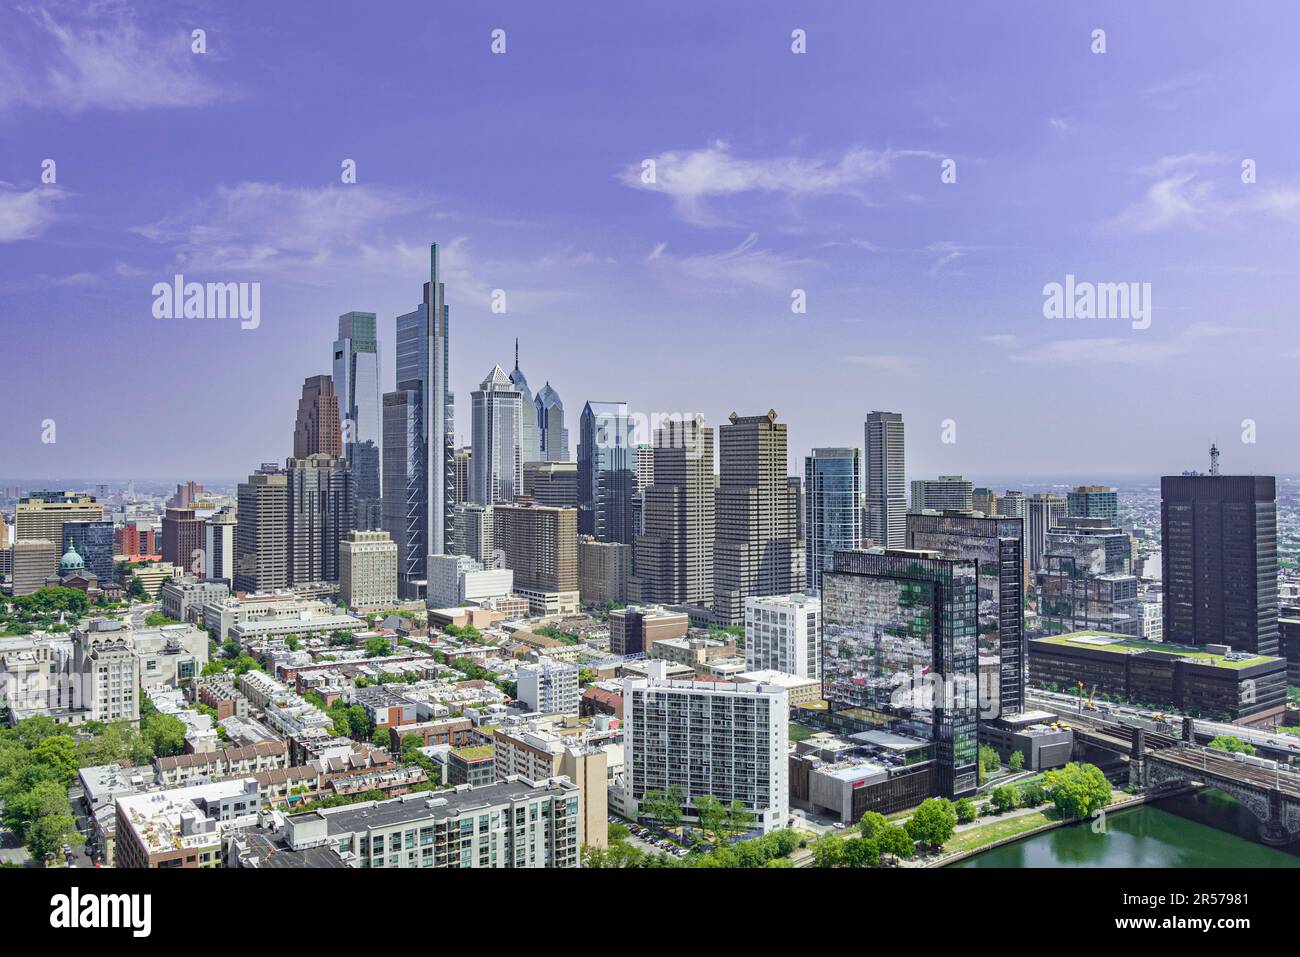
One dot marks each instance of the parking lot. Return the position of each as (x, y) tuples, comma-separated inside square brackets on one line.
[(651, 842)]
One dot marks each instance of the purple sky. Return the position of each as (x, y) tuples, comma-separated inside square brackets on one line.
[(776, 171)]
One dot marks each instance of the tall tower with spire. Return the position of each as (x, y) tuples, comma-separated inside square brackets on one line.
[(530, 446)]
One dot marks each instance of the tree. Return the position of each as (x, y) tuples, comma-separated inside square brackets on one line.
[(617, 832), (378, 646), (381, 737), (665, 807), (1231, 744), (989, 759), (164, 733), (135, 589), (1017, 761), (411, 745), (872, 824), (60, 754), (712, 814), (933, 822), (861, 852), (966, 810), (896, 841), (1078, 789), (827, 851), (156, 619), (1032, 794), (1005, 798)]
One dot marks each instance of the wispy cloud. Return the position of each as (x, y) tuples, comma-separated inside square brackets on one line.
[(25, 214), (1138, 349), (691, 177), (882, 363), (100, 59), (745, 265)]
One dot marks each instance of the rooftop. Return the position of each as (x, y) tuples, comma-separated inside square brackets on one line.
[(1127, 645)]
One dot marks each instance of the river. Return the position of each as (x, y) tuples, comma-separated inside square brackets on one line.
[(1204, 829)]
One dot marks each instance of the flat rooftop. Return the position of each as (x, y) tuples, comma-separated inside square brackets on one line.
[(1128, 645)]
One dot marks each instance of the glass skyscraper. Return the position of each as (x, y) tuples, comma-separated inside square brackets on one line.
[(832, 483), (607, 473), (356, 383), (899, 653), (403, 486)]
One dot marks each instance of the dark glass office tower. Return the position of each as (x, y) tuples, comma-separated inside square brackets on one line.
[(899, 652), (404, 486), (1219, 560), (423, 344), (356, 383), (833, 508), (997, 546), (606, 473), (94, 543)]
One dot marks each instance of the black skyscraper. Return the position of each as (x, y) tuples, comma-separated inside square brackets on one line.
[(1219, 560)]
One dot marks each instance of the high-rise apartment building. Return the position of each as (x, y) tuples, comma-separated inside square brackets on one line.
[(317, 429), (603, 571), (404, 487), (946, 493), (356, 383), (1219, 561), (496, 465), (182, 539), (472, 533), (674, 554), (900, 643), (885, 508), (550, 687), (708, 739), (833, 508), (1012, 504), (996, 546), (607, 473), (756, 548), (551, 483), (985, 500), (262, 533), (423, 367), (784, 633), (319, 489), (219, 545), (540, 545), (368, 569)]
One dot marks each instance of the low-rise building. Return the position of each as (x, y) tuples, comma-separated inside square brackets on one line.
[(183, 827)]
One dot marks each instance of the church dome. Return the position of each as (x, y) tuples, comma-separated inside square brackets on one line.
[(71, 561)]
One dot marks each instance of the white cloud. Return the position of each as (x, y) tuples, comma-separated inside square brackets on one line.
[(25, 214), (882, 363), (690, 177), (1138, 349), (102, 60), (745, 265)]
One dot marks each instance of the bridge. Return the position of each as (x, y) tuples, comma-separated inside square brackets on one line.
[(1163, 762)]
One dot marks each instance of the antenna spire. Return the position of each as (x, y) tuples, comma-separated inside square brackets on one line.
[(1214, 459), (516, 353)]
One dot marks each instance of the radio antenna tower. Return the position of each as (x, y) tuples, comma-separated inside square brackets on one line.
[(1214, 459)]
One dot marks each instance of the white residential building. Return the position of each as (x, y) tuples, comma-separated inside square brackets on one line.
[(709, 738), (784, 633), (456, 580), (368, 569), (550, 687)]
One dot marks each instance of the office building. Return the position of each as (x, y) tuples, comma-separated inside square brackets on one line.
[(356, 384), (461, 459), (1012, 504), (262, 533), (94, 542), (946, 493), (833, 506), (784, 633), (551, 483), (32, 560), (317, 430), (1093, 501), (530, 440), (1043, 512), (674, 553), (603, 572), (368, 569), (458, 580), (885, 506), (182, 539), (550, 687), (183, 597), (985, 501), (540, 545), (607, 473), (496, 465), (320, 497), (219, 544), (134, 538), (1219, 561), (899, 648), (551, 433), (423, 364), (756, 548), (634, 630), (41, 515), (706, 738), (995, 544), (472, 533)]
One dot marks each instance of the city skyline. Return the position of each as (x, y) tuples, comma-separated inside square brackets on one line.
[(922, 296)]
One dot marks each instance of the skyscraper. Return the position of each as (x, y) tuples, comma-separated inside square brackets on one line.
[(404, 488), (423, 365), (219, 545), (182, 539), (946, 493), (886, 498), (459, 492), (1043, 512), (832, 503), (40, 516), (1093, 501), (553, 437), (1219, 560), (552, 483), (530, 442), (756, 549), (899, 648), (262, 533), (93, 541), (356, 383), (540, 545), (495, 466), (320, 515), (606, 473), (995, 545), (317, 428), (674, 556)]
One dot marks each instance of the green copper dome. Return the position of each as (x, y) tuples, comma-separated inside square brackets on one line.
[(71, 561)]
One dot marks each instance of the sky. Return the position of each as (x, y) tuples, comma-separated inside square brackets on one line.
[(775, 172)]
